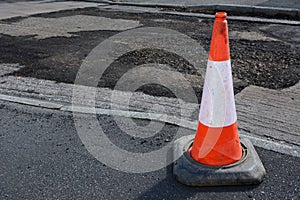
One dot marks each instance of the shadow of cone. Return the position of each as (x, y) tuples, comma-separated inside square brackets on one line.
[(217, 156)]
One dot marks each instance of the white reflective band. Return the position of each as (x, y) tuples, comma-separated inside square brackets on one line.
[(217, 105)]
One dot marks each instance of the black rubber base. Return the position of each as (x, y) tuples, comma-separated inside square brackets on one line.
[(249, 170)]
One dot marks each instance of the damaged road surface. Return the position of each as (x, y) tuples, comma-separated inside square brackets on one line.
[(46, 44)]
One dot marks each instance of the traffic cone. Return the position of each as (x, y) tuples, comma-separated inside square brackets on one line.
[(216, 155), (217, 141)]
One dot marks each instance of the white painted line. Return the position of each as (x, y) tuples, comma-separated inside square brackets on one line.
[(273, 146), (131, 114), (292, 150), (31, 102)]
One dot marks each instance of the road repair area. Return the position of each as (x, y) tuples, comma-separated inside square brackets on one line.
[(150, 65)]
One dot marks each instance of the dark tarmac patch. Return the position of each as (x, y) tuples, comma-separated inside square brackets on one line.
[(269, 64)]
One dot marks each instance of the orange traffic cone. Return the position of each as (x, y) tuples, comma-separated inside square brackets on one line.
[(217, 142), (217, 156)]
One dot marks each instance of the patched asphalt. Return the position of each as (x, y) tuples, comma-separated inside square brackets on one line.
[(259, 57)]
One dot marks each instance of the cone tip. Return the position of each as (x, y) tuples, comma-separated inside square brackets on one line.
[(221, 15)]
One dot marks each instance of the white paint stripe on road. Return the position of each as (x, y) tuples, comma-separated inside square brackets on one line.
[(292, 150), (132, 114), (30, 101), (271, 145)]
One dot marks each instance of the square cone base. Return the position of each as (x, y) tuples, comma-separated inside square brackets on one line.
[(247, 171)]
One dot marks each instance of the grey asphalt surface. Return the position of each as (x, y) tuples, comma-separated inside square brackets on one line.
[(42, 157)]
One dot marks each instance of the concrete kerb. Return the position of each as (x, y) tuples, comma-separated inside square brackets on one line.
[(242, 9)]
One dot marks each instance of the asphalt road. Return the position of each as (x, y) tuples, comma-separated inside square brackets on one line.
[(42, 157)]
